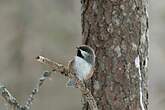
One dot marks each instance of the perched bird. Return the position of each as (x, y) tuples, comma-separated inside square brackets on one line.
[(82, 65)]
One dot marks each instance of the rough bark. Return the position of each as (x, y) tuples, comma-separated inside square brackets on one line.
[(117, 31)]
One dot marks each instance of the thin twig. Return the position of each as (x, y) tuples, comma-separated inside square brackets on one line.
[(30, 99), (11, 100), (64, 71), (55, 66)]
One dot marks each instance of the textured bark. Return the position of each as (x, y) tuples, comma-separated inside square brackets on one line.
[(117, 31)]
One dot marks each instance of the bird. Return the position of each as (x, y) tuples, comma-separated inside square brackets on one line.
[(82, 65)]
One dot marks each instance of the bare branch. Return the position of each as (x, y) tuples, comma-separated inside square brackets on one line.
[(11, 100), (64, 71), (55, 66), (30, 99)]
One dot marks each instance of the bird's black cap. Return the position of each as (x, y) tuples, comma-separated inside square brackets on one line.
[(86, 49)]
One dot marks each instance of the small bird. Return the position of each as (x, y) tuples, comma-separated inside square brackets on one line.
[(82, 65)]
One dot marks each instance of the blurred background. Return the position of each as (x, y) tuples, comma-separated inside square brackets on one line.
[(52, 28)]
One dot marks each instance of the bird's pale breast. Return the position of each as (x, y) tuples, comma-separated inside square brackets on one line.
[(82, 68)]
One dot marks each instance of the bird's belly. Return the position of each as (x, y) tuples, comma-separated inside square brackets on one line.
[(82, 68)]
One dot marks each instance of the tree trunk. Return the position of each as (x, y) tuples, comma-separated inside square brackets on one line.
[(117, 31)]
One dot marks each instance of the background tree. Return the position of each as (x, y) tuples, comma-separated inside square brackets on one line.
[(117, 30)]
